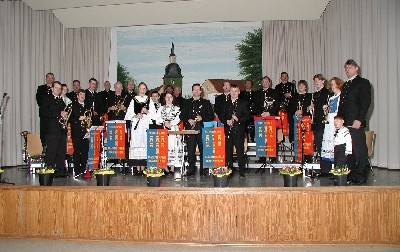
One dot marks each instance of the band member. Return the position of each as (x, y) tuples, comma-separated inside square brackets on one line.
[(78, 131), (43, 91), (138, 113), (320, 98), (235, 116), (327, 150), (130, 90), (168, 90), (76, 86), (196, 111), (56, 135), (107, 93), (301, 100), (155, 98), (117, 103), (248, 96), (93, 100), (220, 100), (267, 98), (286, 91), (168, 116), (64, 92), (178, 99), (355, 100)]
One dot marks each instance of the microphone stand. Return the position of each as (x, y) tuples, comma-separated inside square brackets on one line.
[(1, 137)]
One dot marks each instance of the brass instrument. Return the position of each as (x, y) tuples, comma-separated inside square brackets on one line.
[(312, 109), (64, 119), (87, 122), (119, 105), (24, 135), (326, 113), (268, 102), (300, 107)]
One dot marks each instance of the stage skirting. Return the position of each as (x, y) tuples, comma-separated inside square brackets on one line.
[(320, 215)]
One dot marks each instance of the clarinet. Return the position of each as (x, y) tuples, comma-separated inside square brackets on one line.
[(234, 109), (137, 123)]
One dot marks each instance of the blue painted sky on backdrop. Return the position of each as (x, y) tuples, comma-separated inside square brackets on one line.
[(204, 51)]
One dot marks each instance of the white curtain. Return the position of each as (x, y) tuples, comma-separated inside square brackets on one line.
[(367, 31), (31, 44), (87, 55)]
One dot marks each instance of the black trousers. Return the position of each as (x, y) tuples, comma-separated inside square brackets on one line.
[(43, 132), (192, 142), (291, 127), (318, 135), (81, 148), (56, 151), (358, 161), (238, 143), (340, 155)]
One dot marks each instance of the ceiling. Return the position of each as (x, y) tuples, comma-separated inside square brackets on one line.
[(110, 13)]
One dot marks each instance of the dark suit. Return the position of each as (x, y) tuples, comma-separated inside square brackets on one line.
[(220, 101), (42, 92), (73, 96), (248, 97), (81, 145), (355, 100), (191, 109), (235, 134), (320, 98), (114, 100), (56, 136), (259, 99), (282, 89), (93, 100), (105, 96)]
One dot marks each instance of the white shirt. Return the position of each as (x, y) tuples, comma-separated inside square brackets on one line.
[(342, 136)]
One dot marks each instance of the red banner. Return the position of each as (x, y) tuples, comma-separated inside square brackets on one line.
[(270, 135), (219, 146), (265, 128), (70, 146), (162, 148), (115, 139), (305, 137), (283, 115), (94, 149)]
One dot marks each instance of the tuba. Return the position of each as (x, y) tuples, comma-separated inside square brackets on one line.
[(64, 120)]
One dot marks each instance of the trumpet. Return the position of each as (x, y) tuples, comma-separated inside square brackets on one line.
[(87, 122), (64, 119)]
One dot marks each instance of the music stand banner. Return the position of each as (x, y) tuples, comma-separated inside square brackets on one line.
[(213, 147), (70, 145), (94, 148), (283, 115), (115, 139), (157, 148), (303, 137), (265, 136)]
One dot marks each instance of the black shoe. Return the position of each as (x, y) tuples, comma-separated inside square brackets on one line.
[(189, 173), (61, 175), (356, 182), (242, 176)]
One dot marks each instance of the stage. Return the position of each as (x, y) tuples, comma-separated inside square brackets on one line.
[(257, 210)]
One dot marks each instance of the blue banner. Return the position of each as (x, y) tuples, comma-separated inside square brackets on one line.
[(260, 138)]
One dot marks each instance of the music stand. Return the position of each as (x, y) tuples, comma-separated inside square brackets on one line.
[(1, 136), (266, 163)]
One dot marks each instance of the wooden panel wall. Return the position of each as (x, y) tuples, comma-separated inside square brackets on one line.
[(335, 215)]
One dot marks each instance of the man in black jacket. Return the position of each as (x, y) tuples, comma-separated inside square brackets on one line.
[(221, 99), (76, 86), (78, 131), (43, 91), (195, 111), (247, 95), (235, 116), (355, 100), (267, 100), (56, 136), (93, 100)]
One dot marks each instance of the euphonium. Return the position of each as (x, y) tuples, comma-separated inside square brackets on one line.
[(64, 120), (87, 123)]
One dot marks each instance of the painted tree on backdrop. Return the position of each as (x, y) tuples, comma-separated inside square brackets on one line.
[(250, 55), (123, 75)]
